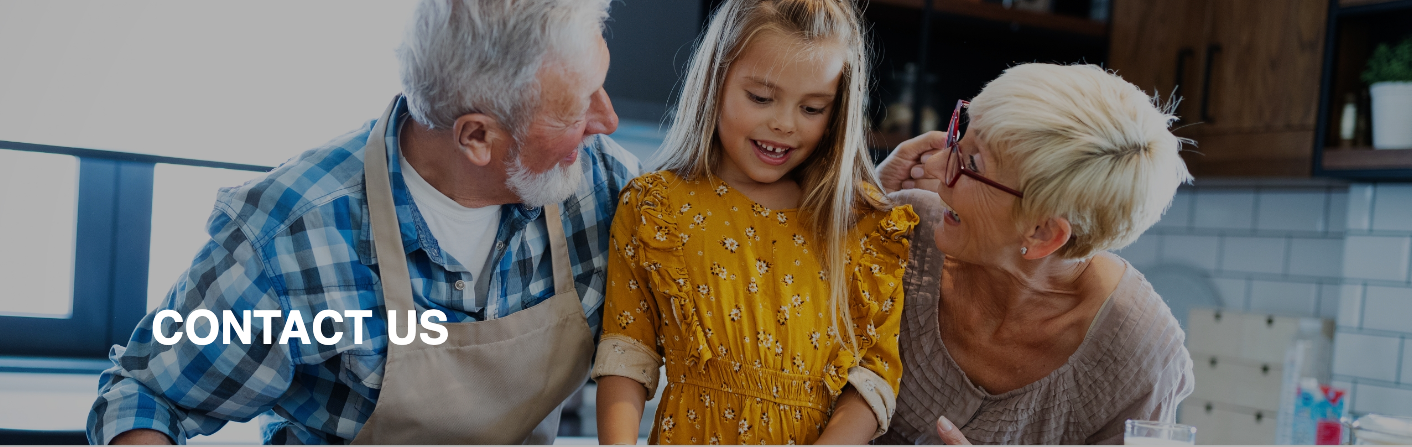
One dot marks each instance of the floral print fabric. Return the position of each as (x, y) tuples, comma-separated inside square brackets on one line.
[(730, 296)]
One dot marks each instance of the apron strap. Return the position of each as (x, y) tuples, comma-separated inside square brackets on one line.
[(559, 250), (387, 235)]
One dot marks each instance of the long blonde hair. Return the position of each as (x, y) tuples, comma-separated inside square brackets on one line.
[(836, 176)]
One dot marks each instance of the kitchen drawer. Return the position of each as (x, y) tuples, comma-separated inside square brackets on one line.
[(1237, 381), (1217, 423)]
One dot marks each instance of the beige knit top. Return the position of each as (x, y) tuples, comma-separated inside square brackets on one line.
[(1131, 365)]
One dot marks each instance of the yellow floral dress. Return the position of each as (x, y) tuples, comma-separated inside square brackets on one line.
[(730, 297)]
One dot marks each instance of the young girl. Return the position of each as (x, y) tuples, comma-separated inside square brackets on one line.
[(761, 266)]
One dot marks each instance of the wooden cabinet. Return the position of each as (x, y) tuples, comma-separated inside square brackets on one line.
[(1247, 71)]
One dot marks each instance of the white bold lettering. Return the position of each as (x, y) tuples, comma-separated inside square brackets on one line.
[(241, 328), (265, 316), (157, 327), (191, 326), (411, 327), (294, 321), (437, 328), (318, 327), (358, 316)]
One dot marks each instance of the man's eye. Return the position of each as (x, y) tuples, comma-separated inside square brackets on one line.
[(757, 99)]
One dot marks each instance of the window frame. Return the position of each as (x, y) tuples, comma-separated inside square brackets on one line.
[(112, 242)]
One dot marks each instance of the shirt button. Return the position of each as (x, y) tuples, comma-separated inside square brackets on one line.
[(460, 285)]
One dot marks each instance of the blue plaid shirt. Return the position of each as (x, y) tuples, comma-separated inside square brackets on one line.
[(298, 238)]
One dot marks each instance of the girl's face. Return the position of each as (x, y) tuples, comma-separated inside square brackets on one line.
[(775, 107), (976, 224)]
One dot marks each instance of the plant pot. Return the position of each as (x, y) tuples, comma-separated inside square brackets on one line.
[(1392, 115)]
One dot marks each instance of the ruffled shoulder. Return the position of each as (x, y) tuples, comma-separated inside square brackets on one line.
[(650, 196), (876, 267)]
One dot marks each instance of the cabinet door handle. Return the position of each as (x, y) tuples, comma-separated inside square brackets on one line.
[(1180, 78), (1211, 51)]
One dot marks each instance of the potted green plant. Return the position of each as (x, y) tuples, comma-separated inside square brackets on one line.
[(1389, 76)]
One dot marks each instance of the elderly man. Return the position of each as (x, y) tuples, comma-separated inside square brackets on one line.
[(485, 194)]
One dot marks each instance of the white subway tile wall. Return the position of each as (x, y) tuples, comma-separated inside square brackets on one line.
[(1360, 203), (1361, 356), (1371, 345), (1178, 215), (1377, 257), (1388, 309), (1292, 210), (1382, 399), (1406, 362), (1254, 254), (1194, 251), (1338, 252), (1316, 257), (1225, 208), (1285, 298), (1329, 300), (1392, 208)]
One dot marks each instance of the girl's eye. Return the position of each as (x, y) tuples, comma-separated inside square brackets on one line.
[(813, 110), (757, 99)]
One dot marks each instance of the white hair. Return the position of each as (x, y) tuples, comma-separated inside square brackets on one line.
[(482, 56), (1087, 146)]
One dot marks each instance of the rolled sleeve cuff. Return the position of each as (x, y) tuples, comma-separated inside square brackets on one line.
[(623, 356), (110, 418), (877, 393)]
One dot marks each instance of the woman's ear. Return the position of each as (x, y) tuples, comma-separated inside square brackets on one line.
[(478, 136), (1046, 238)]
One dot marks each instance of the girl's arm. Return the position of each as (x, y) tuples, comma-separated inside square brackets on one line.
[(853, 421), (620, 402)]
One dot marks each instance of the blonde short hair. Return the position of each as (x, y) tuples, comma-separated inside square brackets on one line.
[(1086, 146)]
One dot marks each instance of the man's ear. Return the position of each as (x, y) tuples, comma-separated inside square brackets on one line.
[(1046, 238), (478, 136)]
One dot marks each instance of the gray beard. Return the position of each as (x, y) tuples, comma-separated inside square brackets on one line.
[(541, 189)]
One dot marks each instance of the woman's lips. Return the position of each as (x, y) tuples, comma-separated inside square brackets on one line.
[(771, 153)]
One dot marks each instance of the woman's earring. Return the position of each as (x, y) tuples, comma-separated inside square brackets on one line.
[(1024, 250)]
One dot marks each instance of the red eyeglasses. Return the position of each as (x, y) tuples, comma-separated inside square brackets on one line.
[(955, 166)]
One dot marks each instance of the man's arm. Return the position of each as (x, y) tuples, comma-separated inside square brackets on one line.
[(166, 394)]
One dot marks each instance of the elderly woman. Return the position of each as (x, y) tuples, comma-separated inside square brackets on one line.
[(1019, 324)]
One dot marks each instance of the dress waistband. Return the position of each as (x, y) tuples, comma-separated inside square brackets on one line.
[(734, 377)]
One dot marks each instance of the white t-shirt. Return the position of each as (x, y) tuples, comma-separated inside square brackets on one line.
[(467, 234)]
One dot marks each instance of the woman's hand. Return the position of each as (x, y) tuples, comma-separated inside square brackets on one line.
[(903, 168), (949, 433)]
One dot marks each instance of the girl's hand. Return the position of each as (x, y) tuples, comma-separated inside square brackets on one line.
[(903, 168), (948, 432)]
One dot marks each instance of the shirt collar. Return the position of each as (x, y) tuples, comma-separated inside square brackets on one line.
[(415, 233)]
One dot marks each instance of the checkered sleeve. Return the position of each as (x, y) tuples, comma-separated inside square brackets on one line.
[(186, 389)]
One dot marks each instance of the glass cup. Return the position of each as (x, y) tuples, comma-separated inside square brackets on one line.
[(1158, 433)]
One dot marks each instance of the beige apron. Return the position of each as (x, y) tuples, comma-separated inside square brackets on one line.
[(489, 382)]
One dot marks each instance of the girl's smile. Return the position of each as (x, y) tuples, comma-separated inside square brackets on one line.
[(775, 110)]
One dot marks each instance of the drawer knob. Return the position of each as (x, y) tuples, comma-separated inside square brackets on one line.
[(1259, 416), (1265, 369), (1270, 321), (1213, 362), (1218, 316), (1208, 408)]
